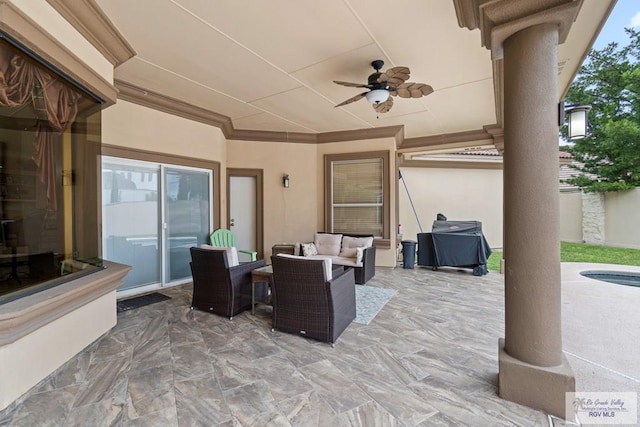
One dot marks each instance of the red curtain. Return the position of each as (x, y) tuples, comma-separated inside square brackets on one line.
[(54, 104)]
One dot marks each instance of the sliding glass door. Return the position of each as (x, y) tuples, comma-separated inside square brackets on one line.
[(152, 214), (186, 217)]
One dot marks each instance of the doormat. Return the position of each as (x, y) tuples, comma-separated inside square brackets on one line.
[(141, 301)]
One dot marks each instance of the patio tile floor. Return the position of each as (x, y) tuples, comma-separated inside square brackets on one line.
[(429, 358)]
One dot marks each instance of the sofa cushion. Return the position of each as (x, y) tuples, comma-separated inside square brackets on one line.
[(328, 244), (309, 249), (326, 263), (232, 254), (338, 260), (350, 244), (359, 256)]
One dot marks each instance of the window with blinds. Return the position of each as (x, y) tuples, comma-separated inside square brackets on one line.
[(357, 196)]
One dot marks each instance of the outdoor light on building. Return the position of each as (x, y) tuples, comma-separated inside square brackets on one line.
[(578, 120), (377, 96), (285, 180)]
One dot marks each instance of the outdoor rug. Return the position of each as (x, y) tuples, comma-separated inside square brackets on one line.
[(369, 301), (141, 301)]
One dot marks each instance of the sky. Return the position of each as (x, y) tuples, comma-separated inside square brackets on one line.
[(625, 14)]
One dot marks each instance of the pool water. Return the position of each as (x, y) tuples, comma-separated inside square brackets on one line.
[(617, 277)]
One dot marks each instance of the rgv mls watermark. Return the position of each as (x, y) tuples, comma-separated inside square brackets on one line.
[(603, 407)]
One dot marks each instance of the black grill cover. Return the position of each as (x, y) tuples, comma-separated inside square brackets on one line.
[(454, 244)]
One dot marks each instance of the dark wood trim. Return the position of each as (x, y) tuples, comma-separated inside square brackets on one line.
[(90, 21), (150, 156), (258, 174), (386, 189)]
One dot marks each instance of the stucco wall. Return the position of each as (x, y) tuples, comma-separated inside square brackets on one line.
[(459, 194), (134, 126), (47, 17), (622, 219), (26, 361), (290, 214), (571, 216)]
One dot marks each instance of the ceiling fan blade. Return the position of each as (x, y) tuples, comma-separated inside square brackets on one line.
[(350, 84), (353, 99), (411, 90), (383, 107), (395, 76)]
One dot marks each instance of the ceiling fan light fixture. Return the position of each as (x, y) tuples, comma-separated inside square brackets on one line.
[(377, 96)]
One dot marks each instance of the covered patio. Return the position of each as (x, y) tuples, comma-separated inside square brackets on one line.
[(247, 88), (428, 358)]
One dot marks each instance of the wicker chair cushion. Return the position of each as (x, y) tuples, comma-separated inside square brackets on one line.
[(349, 245), (326, 264), (328, 244), (232, 254)]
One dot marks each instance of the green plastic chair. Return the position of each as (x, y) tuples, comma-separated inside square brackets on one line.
[(223, 238)]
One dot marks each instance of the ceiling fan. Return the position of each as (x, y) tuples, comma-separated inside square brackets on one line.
[(381, 85)]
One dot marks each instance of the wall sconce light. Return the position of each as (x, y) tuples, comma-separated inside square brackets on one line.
[(285, 180), (577, 117)]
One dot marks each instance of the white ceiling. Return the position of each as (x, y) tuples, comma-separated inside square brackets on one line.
[(270, 65)]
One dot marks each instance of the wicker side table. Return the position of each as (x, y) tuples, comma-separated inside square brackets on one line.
[(284, 248)]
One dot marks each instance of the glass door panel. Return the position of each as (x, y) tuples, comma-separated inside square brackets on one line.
[(130, 212), (186, 217)]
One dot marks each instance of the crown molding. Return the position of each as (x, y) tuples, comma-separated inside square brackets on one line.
[(272, 136), (396, 132), (457, 140), (500, 19), (451, 164), (156, 101), (498, 89), (90, 21)]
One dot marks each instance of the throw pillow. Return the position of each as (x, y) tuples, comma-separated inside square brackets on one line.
[(349, 245), (328, 244), (309, 249), (359, 256)]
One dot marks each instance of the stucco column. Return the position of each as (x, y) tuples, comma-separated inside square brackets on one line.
[(533, 370)]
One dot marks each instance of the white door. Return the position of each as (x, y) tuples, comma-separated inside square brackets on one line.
[(242, 212)]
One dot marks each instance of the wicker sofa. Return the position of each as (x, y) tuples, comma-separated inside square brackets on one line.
[(348, 250)]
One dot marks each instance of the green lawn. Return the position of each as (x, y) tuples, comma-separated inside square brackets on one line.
[(579, 252)]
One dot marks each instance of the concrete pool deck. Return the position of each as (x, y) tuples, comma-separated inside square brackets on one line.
[(601, 329)]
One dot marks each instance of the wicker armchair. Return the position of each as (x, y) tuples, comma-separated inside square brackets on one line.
[(221, 289), (306, 304)]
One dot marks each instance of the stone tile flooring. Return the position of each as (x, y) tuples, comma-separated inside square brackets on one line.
[(429, 358)]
